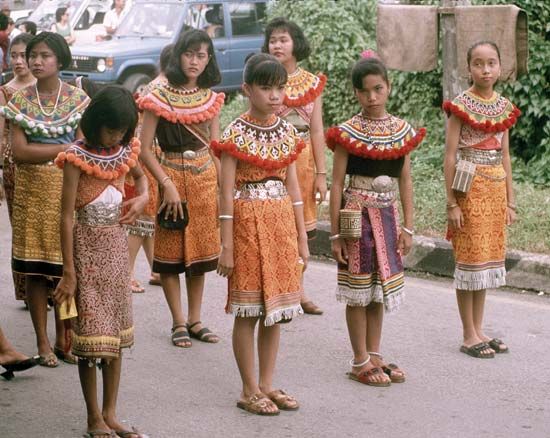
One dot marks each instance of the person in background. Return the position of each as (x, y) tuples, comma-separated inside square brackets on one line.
[(114, 16), (4, 40), (62, 25), (12, 360), (28, 27), (12, 30)]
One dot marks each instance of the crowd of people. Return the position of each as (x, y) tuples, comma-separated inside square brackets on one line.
[(240, 200)]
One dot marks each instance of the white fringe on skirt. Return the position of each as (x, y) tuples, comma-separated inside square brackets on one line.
[(479, 280), (363, 297), (255, 311)]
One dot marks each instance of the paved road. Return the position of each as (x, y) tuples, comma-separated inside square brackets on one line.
[(170, 392)]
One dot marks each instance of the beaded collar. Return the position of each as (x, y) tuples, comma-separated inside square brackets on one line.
[(24, 109), (303, 87), (271, 145), (388, 138), (183, 106), (107, 164), (489, 115)]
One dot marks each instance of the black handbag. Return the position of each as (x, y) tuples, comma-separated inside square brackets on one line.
[(170, 224)]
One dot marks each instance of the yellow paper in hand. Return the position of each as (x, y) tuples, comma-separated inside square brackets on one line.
[(63, 314)]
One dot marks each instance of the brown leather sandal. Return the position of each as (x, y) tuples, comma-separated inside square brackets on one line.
[(283, 401), (366, 377), (257, 405), (311, 308), (395, 374)]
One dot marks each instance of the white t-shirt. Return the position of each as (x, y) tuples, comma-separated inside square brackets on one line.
[(111, 18)]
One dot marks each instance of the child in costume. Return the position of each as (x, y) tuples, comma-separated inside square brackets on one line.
[(264, 241), (372, 148), (303, 107), (95, 248), (477, 139)]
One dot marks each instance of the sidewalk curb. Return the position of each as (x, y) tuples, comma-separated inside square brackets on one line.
[(525, 270)]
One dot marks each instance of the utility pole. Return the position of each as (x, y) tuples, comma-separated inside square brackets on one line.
[(452, 83)]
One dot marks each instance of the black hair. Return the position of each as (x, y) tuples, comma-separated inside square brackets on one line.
[(264, 69), (56, 43), (30, 27), (365, 67), (22, 38), (481, 43), (165, 57), (189, 40), (301, 49), (59, 12), (113, 107), (3, 22)]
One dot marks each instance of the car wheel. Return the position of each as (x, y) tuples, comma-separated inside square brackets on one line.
[(136, 82)]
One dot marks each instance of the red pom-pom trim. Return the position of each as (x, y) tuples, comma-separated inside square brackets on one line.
[(487, 125), (310, 95), (355, 147), (233, 150), (147, 104)]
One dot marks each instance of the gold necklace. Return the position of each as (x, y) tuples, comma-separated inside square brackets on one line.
[(56, 100)]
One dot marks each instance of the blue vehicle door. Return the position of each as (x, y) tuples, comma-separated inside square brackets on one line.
[(211, 17), (247, 19)]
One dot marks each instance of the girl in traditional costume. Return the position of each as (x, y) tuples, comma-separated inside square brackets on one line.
[(264, 241), (95, 249), (372, 148), (22, 79), (183, 116), (302, 107), (477, 152), (44, 119)]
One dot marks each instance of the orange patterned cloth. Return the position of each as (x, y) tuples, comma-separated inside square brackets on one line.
[(194, 250), (305, 169), (480, 245), (267, 271)]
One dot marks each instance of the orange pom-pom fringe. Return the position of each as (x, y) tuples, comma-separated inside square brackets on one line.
[(335, 138), (310, 95), (486, 126), (233, 150)]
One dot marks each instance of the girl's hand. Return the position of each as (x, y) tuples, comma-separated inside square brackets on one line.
[(340, 251), (225, 263), (171, 202), (510, 216), (303, 251), (455, 218), (133, 207), (404, 243), (65, 290), (321, 186)]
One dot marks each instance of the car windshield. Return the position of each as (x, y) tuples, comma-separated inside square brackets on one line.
[(150, 20), (44, 14)]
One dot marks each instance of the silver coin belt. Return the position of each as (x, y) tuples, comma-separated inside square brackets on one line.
[(378, 192), (141, 228), (272, 189), (99, 214), (480, 156)]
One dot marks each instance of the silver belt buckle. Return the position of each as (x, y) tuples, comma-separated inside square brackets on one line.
[(382, 184), (189, 155)]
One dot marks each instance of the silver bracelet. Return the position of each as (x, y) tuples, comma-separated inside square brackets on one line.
[(334, 237), (406, 230), (297, 203), (225, 217)]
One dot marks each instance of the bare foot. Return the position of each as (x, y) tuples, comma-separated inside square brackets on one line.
[(98, 424), (11, 356), (118, 427), (396, 374), (501, 348), (375, 377), (469, 342)]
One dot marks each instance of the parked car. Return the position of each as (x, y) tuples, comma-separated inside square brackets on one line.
[(131, 57)]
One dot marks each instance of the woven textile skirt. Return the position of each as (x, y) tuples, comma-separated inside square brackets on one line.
[(305, 170), (480, 246), (374, 272), (145, 225), (196, 249), (266, 276), (36, 219), (103, 297)]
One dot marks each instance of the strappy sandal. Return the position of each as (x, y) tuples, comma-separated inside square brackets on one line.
[(128, 433), (477, 351), (283, 401), (496, 345), (203, 335), (99, 432), (257, 405), (311, 308), (48, 361), (395, 374), (365, 377), (65, 357), (181, 336), (136, 287)]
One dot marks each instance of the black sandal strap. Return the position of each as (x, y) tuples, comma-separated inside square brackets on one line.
[(190, 326)]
